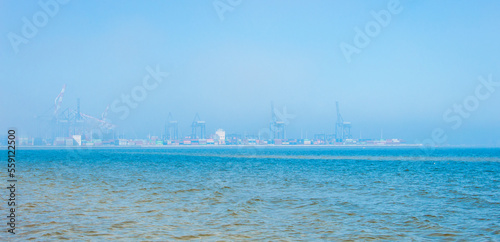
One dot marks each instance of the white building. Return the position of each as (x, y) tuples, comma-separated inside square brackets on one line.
[(220, 136)]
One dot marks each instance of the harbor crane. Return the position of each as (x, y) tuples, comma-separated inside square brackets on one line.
[(171, 128), (197, 123), (342, 128), (277, 126), (65, 122)]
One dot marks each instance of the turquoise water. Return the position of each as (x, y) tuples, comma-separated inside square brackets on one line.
[(257, 194)]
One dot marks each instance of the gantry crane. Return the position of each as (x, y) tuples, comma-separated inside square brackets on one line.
[(171, 128), (342, 128), (277, 126), (197, 123)]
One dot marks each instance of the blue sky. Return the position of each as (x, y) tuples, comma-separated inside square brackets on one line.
[(426, 59)]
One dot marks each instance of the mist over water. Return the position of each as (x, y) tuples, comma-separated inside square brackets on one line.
[(229, 65)]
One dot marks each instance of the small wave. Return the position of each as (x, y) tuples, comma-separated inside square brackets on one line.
[(342, 157)]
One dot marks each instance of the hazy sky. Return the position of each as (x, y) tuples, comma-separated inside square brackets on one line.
[(426, 59)]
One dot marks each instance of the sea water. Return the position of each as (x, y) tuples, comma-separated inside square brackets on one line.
[(256, 193)]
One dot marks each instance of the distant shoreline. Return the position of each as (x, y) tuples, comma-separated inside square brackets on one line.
[(238, 146)]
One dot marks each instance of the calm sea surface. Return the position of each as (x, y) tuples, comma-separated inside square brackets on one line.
[(256, 194)]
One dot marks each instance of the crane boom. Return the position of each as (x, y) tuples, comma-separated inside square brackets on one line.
[(58, 100)]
